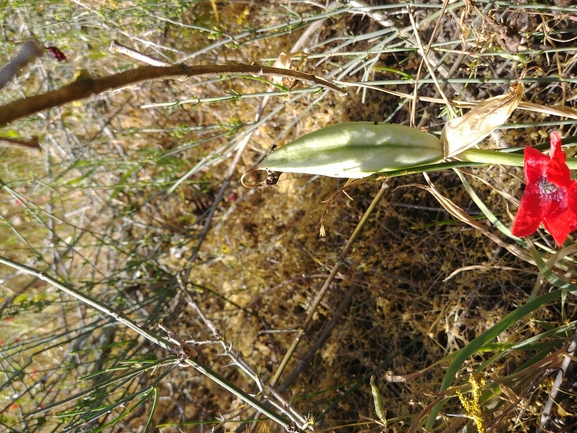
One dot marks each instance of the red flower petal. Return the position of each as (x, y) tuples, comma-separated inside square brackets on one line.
[(564, 222), (550, 195), (535, 165), (557, 170), (529, 215), (56, 53), (555, 151)]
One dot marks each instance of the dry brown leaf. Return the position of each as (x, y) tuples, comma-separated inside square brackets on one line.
[(555, 110), (464, 132), (283, 61), (463, 216)]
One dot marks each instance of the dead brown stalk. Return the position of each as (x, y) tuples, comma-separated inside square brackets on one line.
[(86, 86)]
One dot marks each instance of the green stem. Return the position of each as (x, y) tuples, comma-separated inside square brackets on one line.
[(503, 158)]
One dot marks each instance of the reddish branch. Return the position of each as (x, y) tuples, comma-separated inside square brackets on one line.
[(85, 87)]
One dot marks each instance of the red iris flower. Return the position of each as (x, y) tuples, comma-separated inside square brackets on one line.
[(550, 195)]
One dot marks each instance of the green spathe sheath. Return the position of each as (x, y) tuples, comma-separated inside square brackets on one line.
[(356, 150)]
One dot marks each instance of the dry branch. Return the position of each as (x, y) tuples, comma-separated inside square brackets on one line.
[(33, 143), (30, 51), (86, 86)]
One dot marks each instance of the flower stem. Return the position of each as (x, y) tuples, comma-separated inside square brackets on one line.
[(503, 158)]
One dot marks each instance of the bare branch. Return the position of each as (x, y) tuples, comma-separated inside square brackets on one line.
[(29, 52), (86, 86), (33, 143)]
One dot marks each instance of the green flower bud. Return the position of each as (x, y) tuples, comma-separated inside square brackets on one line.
[(355, 150)]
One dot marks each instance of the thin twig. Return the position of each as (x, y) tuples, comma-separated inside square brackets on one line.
[(120, 317), (266, 389), (567, 358), (117, 47), (424, 54), (321, 339), (327, 284), (33, 143), (410, 34)]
